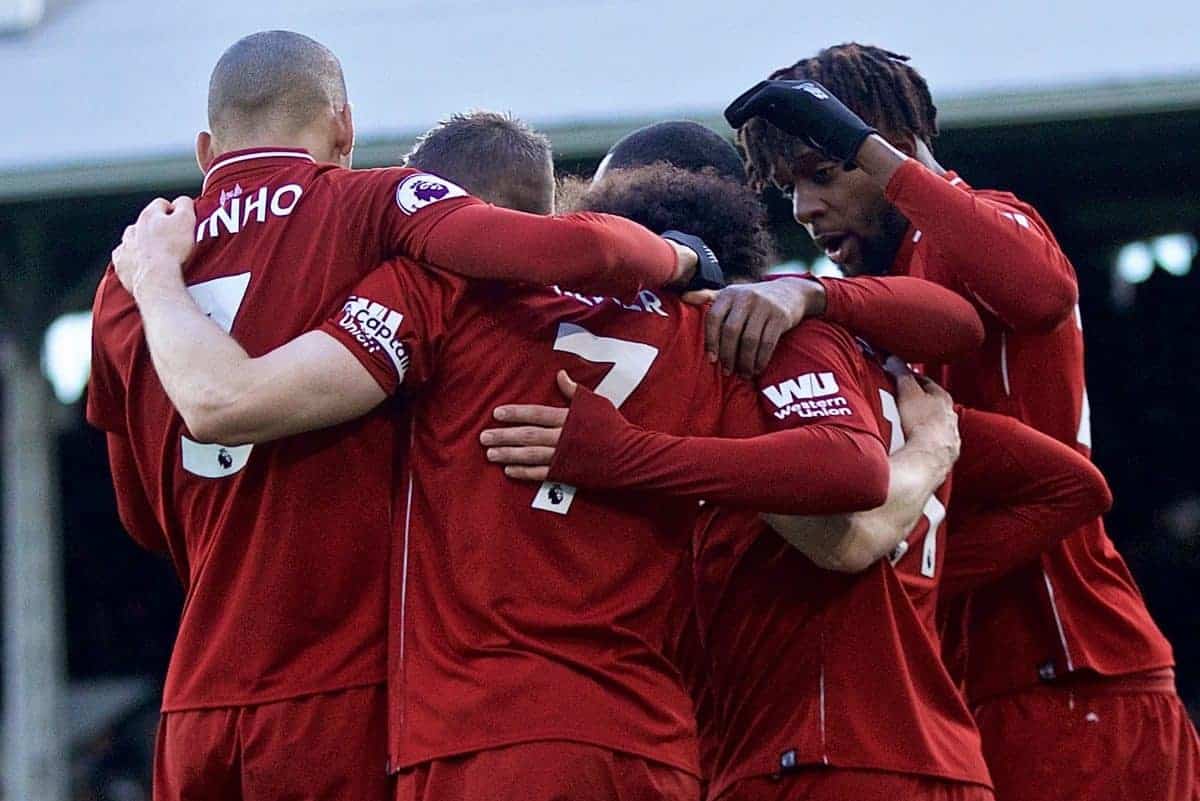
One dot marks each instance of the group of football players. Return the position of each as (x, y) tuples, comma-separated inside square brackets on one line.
[(472, 500)]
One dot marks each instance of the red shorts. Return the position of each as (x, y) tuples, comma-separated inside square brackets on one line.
[(327, 747), (1067, 743), (839, 784), (549, 770)]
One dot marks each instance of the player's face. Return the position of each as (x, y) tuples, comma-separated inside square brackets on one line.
[(844, 211)]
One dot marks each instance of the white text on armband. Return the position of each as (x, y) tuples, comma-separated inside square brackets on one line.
[(239, 210), (376, 328)]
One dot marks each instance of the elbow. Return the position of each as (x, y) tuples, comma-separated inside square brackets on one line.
[(1098, 495), (216, 419), (1048, 310), (853, 558)]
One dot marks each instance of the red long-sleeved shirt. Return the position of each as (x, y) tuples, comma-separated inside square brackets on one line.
[(280, 242), (1078, 607)]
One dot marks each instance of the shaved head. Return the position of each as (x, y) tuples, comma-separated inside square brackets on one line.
[(272, 82)]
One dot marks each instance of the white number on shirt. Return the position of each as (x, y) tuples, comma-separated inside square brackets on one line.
[(934, 511), (220, 299), (630, 362)]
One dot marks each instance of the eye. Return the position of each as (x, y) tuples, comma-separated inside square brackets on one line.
[(823, 176)]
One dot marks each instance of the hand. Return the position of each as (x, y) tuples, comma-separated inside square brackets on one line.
[(927, 415), (805, 109), (745, 322), (526, 445), (156, 246)]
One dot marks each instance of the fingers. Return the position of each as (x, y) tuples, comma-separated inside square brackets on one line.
[(907, 386), (731, 335), (183, 204), (713, 323), (520, 436), (699, 297), (533, 456), (522, 473), (531, 414), (752, 334), (155, 207), (741, 109), (566, 386), (775, 328)]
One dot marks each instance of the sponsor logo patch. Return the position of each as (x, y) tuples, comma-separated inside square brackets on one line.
[(376, 328), (808, 395), (418, 191)]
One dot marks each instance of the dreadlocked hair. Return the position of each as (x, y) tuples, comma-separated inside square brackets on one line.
[(876, 84)]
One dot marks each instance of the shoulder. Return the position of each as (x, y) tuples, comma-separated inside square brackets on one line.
[(820, 336)]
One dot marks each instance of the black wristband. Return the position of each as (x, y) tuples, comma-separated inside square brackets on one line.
[(708, 273)]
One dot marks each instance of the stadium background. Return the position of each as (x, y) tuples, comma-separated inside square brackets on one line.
[(1089, 111)]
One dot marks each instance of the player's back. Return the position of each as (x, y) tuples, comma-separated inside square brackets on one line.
[(282, 546), (813, 667), (531, 612)]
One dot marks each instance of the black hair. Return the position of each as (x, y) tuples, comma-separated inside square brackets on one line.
[(725, 213), (684, 144)]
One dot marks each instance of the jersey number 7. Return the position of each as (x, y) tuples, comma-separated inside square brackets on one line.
[(630, 363)]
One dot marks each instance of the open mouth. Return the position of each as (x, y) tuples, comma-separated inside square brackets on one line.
[(836, 246)]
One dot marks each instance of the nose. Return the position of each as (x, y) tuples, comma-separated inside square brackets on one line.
[(807, 205)]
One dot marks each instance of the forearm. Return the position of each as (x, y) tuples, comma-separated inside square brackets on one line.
[(1017, 492), (816, 469), (593, 252), (852, 543), (999, 256), (202, 369), (912, 318)]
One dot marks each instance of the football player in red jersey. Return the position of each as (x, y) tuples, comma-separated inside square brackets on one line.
[(784, 644), (282, 637), (1068, 677), (494, 623)]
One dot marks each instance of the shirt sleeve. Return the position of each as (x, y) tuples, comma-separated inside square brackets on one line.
[(915, 319), (427, 218), (1015, 492), (823, 455), (106, 391), (1002, 255), (133, 507), (394, 322)]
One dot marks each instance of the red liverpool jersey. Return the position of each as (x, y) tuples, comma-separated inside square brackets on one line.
[(1015, 492), (1079, 608), (283, 547), (811, 667), (522, 612)]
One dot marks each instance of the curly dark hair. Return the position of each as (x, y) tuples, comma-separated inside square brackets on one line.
[(726, 214), (876, 84)]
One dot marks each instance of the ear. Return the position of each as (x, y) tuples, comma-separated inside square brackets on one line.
[(344, 137), (205, 154)]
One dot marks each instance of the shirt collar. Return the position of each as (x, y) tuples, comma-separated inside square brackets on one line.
[(236, 162)]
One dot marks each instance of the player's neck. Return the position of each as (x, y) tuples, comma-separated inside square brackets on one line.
[(924, 155), (315, 143)]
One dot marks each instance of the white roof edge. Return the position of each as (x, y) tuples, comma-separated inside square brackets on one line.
[(583, 138)]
